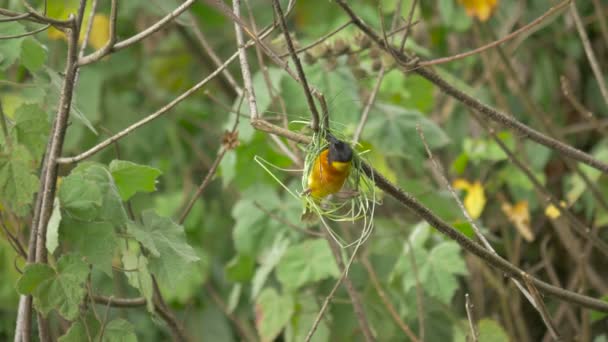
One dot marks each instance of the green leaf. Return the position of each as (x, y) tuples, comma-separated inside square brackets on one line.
[(17, 183), (272, 313), (32, 128), (61, 289), (491, 331), (33, 276), (255, 230), (166, 241), (269, 261), (96, 241), (308, 262), (390, 128), (10, 48), (119, 330), (439, 270), (487, 149), (454, 16), (33, 54), (339, 88), (76, 333), (131, 178), (304, 316), (80, 197), (139, 276), (240, 268), (52, 230), (112, 209)]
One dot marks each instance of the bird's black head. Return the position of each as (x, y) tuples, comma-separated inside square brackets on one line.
[(339, 151)]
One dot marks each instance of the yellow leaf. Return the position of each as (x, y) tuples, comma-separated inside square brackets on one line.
[(552, 212), (519, 215), (100, 31), (461, 184), (475, 200), (481, 9)]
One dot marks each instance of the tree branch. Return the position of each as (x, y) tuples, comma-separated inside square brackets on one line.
[(473, 103)]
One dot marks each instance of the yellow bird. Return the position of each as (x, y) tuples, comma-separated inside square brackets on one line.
[(329, 171)]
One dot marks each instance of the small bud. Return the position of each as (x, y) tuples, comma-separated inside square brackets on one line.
[(309, 58), (376, 65), (352, 60), (374, 53), (340, 47), (363, 41)]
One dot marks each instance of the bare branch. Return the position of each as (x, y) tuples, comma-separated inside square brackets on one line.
[(110, 44), (21, 35), (597, 70), (368, 106), (164, 110), (385, 300), (503, 40), (245, 71), (472, 102), (138, 37), (469, 308), (314, 123)]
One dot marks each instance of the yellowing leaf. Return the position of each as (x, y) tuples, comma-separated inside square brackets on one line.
[(461, 184), (100, 31), (475, 200), (481, 9), (519, 215), (552, 212)]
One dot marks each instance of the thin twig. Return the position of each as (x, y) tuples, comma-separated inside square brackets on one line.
[(213, 55), (120, 302), (408, 25), (87, 32), (597, 71), (385, 300), (177, 330), (368, 106), (320, 39), (503, 40), (241, 327), (601, 19), (105, 319), (42, 18), (314, 123), (419, 291), (286, 222), (352, 292), (139, 36), (580, 108), (204, 184), (469, 308), (7, 136), (248, 83), (14, 17), (164, 110), (544, 313), (109, 45), (21, 35)]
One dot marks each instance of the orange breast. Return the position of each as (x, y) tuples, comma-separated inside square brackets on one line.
[(324, 179)]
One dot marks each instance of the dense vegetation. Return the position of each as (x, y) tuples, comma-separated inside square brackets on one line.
[(149, 189)]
